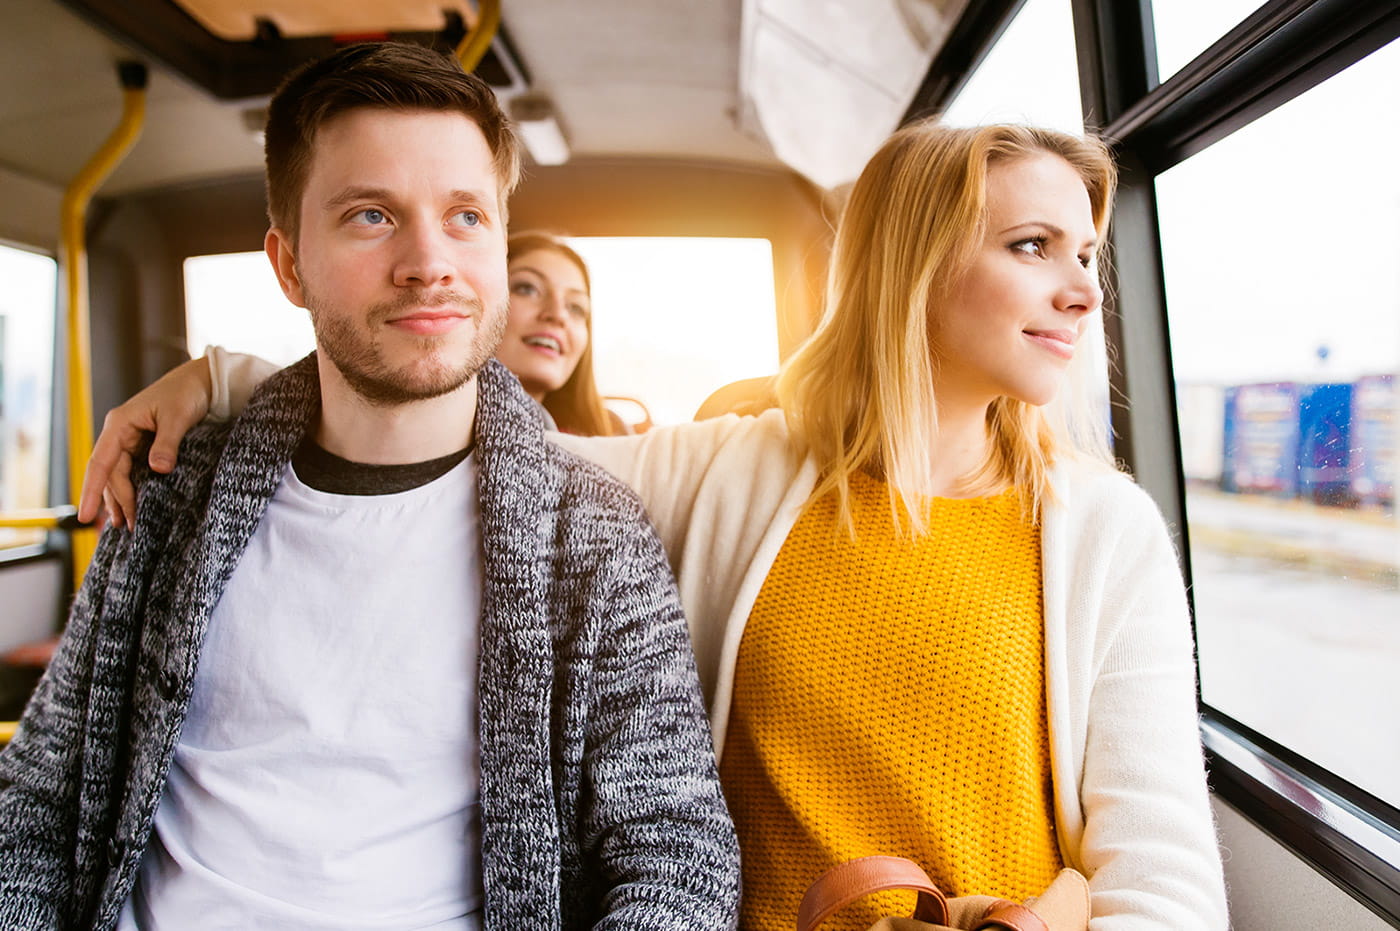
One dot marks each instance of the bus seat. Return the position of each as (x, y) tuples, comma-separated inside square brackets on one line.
[(748, 397)]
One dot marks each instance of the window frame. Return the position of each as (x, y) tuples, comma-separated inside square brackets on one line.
[(1283, 49), (53, 542)]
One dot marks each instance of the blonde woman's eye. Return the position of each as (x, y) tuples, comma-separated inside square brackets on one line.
[(578, 310), (1034, 246), (524, 289)]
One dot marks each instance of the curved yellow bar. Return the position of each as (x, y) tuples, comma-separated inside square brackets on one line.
[(7, 730), (474, 46), (74, 219)]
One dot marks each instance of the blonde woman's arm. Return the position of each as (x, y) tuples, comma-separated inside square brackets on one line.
[(1148, 838)]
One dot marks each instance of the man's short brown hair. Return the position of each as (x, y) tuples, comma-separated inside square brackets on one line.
[(384, 75)]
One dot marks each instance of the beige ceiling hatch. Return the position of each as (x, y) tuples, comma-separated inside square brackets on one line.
[(237, 20), (823, 83)]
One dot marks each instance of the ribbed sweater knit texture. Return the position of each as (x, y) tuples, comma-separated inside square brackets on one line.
[(856, 730), (600, 804)]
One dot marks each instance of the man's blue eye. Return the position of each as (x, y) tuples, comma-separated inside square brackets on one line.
[(371, 216), (468, 218)]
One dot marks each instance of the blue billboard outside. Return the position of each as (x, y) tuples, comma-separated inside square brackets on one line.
[(1261, 439)]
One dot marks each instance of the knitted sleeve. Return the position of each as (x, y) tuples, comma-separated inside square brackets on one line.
[(656, 817), (41, 769), (1149, 840)]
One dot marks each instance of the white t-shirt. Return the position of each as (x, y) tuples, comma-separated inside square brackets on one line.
[(327, 773)]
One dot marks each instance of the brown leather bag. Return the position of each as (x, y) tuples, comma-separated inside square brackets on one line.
[(1064, 906)]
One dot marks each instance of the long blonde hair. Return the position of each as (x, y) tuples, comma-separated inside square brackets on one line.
[(858, 395)]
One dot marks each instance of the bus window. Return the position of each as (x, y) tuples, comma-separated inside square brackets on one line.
[(1284, 310), (27, 305), (234, 301), (1184, 30), (1029, 76), (676, 318)]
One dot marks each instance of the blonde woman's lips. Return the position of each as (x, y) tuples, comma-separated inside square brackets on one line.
[(1057, 342)]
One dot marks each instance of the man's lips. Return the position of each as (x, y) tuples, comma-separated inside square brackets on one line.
[(430, 323)]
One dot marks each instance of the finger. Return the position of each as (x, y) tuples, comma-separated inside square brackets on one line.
[(123, 493), (106, 453), (109, 508), (172, 419), (166, 447)]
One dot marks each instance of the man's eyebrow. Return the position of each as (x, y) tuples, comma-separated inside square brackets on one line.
[(476, 197), (353, 195)]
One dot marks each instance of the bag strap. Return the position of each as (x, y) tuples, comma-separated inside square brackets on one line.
[(843, 884), (1011, 916)]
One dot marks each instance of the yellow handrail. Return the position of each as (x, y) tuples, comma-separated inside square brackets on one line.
[(73, 229), (473, 47), (64, 517), (73, 224)]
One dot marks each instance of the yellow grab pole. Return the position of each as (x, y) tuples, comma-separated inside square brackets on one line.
[(473, 47), (74, 220), (64, 517)]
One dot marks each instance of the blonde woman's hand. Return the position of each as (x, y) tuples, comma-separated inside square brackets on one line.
[(168, 408)]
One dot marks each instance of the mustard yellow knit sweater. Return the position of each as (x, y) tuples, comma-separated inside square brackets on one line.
[(889, 698)]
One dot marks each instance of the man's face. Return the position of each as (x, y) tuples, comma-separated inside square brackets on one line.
[(400, 258)]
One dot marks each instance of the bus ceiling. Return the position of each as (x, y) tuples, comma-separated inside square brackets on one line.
[(770, 83)]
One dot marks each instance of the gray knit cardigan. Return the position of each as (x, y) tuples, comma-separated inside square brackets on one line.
[(600, 803)]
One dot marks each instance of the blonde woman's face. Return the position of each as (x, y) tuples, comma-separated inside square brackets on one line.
[(547, 330), (1011, 326)]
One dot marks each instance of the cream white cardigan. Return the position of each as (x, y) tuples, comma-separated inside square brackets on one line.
[(1131, 806)]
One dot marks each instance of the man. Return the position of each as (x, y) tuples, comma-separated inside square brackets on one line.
[(375, 655)]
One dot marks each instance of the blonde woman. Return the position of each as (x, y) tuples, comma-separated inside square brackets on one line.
[(930, 617)]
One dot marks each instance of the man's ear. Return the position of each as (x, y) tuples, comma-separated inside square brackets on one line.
[(280, 252)]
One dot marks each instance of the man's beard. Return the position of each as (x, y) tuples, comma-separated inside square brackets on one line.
[(356, 353)]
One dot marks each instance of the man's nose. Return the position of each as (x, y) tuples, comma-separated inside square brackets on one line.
[(425, 258)]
